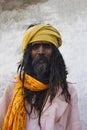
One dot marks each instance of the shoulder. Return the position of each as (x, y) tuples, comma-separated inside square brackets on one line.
[(73, 92), (72, 89), (10, 89)]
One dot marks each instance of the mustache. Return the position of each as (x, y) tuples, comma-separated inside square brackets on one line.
[(41, 59)]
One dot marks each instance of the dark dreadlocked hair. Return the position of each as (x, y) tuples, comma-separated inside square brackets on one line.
[(57, 78)]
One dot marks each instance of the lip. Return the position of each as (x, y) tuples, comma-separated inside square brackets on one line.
[(41, 61)]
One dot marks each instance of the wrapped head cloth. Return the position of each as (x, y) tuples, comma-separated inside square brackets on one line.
[(41, 32)]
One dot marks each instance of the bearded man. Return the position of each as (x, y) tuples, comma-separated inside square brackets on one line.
[(41, 98)]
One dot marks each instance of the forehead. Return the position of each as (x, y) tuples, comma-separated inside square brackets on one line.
[(41, 42)]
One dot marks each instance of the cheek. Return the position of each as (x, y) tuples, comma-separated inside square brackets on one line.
[(33, 54), (49, 53)]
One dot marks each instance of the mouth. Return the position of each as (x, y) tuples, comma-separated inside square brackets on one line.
[(41, 61)]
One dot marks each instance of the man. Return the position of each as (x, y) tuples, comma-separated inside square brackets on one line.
[(41, 98)]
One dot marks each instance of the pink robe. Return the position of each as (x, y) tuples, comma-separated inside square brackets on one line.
[(58, 116)]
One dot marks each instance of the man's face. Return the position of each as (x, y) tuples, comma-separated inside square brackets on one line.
[(41, 48), (41, 54)]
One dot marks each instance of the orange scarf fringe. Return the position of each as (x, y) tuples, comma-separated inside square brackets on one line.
[(15, 118)]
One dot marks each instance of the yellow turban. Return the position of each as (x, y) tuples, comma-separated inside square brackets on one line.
[(41, 32)]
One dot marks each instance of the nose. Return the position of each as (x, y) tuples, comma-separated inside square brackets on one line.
[(41, 50)]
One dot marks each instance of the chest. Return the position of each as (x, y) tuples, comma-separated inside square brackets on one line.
[(53, 118)]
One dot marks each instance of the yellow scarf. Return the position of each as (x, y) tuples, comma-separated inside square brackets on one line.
[(15, 118)]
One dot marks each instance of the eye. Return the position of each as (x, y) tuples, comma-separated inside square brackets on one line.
[(47, 46), (35, 46)]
